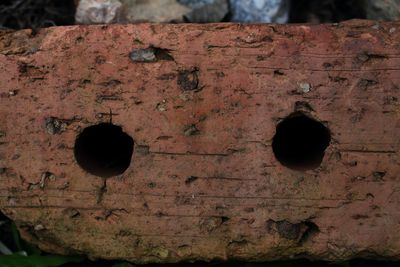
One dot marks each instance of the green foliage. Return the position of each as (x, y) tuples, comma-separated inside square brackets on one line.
[(28, 255), (123, 264), (20, 244), (15, 236), (297, 263), (17, 260)]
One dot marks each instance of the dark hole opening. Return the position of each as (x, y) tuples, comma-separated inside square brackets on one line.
[(103, 150), (300, 142)]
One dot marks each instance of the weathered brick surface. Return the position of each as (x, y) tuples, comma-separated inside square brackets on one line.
[(203, 183)]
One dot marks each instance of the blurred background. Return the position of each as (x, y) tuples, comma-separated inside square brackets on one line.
[(19, 14)]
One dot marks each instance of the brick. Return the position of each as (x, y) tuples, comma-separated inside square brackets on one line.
[(250, 142)]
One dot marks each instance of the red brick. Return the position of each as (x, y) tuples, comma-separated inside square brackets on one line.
[(203, 183)]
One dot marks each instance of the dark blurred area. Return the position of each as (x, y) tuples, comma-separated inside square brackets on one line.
[(20, 14), (325, 11)]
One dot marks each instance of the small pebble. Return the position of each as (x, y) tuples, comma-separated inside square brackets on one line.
[(39, 227), (13, 92), (305, 87), (143, 55), (162, 106)]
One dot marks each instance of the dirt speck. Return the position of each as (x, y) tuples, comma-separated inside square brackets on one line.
[(188, 80), (359, 216), (162, 106), (365, 83), (100, 60), (142, 149), (367, 56), (288, 230), (211, 224), (71, 212), (191, 130), (299, 232), (39, 227), (378, 175), (160, 252), (303, 106), (13, 92), (55, 126), (46, 176), (358, 178), (191, 179)]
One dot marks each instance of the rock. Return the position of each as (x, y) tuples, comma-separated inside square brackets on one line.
[(206, 10), (154, 10), (241, 10), (275, 11), (113, 11), (383, 9), (97, 11)]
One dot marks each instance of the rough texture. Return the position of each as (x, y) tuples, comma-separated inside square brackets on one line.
[(383, 9), (123, 11), (203, 183)]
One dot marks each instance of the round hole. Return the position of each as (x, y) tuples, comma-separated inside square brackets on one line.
[(300, 142), (103, 150)]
